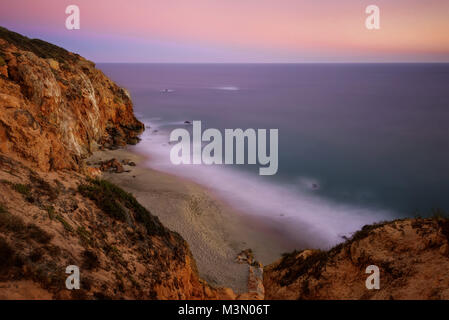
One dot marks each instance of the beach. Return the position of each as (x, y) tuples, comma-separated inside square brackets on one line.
[(215, 232)]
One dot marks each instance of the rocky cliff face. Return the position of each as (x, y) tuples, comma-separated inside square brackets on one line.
[(56, 107), (50, 220), (412, 256)]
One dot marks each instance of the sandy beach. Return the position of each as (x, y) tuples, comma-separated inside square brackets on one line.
[(215, 232)]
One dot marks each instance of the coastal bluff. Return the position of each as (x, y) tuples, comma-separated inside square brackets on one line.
[(412, 256), (56, 109)]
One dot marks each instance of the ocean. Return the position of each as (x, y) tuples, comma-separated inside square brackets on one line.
[(358, 143)]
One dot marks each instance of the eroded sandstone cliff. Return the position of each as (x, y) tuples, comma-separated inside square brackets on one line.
[(412, 256), (50, 220), (56, 107)]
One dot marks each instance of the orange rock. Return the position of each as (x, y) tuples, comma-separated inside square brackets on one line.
[(55, 109)]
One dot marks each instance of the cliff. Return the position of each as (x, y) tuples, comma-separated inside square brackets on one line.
[(56, 107), (50, 220), (412, 256)]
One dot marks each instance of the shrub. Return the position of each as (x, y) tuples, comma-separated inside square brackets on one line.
[(438, 213), (25, 190), (296, 267), (14, 224), (38, 47), (90, 260), (11, 223), (111, 200), (64, 222), (51, 212), (7, 255), (114, 253), (36, 255), (84, 236), (104, 197), (37, 234), (44, 188)]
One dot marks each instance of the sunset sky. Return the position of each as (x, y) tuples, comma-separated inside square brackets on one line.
[(238, 30)]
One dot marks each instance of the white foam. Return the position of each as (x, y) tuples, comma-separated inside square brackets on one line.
[(302, 215), (228, 88)]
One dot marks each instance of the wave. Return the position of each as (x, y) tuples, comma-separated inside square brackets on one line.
[(303, 217), (228, 88)]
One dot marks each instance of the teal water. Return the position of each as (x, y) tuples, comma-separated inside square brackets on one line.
[(357, 143)]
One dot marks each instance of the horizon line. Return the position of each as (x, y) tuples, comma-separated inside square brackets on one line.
[(317, 62)]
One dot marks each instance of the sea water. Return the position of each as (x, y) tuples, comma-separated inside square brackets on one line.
[(358, 143)]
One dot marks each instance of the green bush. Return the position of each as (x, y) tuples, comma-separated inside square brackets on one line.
[(38, 47), (113, 200), (85, 236), (64, 222), (104, 195), (25, 190), (51, 212)]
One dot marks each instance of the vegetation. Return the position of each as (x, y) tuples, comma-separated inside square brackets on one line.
[(2, 61), (438, 213), (38, 47), (51, 212), (25, 190), (313, 265), (43, 188), (21, 230), (85, 236), (107, 197), (7, 255), (365, 231), (114, 253), (296, 267), (90, 260), (39, 235), (64, 222), (36, 255), (118, 203), (11, 223)]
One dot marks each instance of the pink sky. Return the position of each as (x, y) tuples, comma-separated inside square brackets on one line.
[(238, 30)]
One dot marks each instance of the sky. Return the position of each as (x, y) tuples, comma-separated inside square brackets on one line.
[(238, 31)]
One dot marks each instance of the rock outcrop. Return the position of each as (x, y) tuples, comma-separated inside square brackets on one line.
[(412, 256), (255, 275), (55, 211), (50, 220), (56, 107)]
